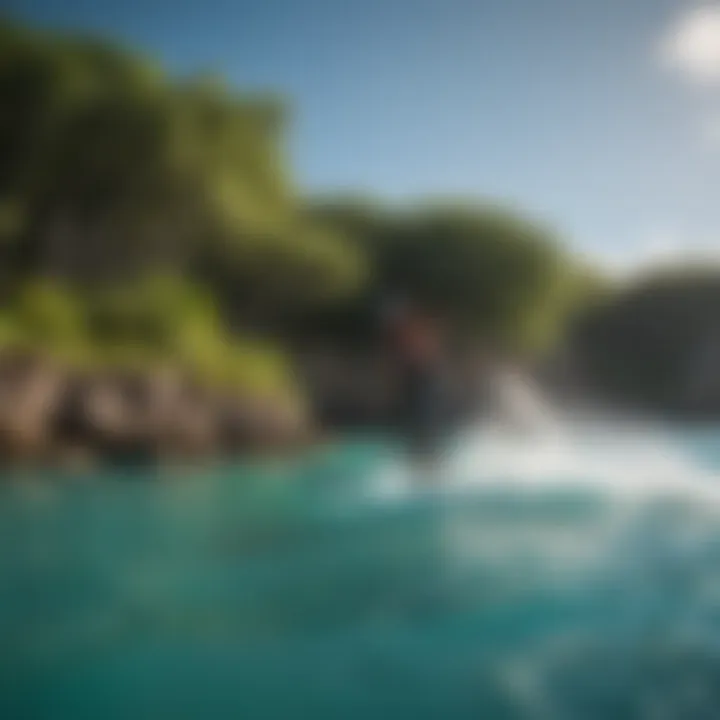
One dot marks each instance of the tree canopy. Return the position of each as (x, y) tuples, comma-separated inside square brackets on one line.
[(113, 171), (110, 168), (490, 272)]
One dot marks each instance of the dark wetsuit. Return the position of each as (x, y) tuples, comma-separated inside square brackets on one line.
[(421, 407), (421, 397)]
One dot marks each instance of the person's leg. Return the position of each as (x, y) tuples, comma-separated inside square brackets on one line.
[(425, 430)]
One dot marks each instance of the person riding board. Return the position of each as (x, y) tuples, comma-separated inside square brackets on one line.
[(416, 348)]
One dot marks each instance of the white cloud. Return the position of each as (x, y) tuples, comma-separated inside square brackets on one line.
[(693, 44)]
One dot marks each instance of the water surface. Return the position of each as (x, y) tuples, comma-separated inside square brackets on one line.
[(570, 578)]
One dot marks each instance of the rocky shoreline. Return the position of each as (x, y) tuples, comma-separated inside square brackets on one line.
[(56, 416), (53, 415)]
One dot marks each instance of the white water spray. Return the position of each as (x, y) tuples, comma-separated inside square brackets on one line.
[(526, 443)]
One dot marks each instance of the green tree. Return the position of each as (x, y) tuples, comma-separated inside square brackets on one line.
[(110, 169), (490, 272)]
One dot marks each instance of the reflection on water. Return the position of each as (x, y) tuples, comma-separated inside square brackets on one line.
[(543, 580)]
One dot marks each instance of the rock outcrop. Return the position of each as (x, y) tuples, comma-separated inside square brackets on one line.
[(53, 415), (31, 396)]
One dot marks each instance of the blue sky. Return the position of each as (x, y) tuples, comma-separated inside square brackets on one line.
[(601, 117)]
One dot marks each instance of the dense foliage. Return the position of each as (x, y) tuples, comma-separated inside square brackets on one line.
[(110, 168), (490, 273), (123, 191), (153, 322)]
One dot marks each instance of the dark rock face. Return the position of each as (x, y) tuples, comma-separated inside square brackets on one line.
[(354, 391), (653, 346), (350, 390), (51, 415), (686, 389), (698, 391)]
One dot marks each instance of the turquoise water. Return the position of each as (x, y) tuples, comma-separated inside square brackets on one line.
[(579, 580)]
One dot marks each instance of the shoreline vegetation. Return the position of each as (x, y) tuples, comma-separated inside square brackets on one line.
[(163, 280)]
